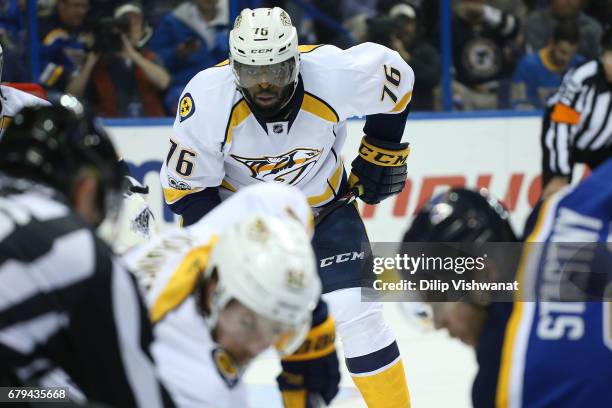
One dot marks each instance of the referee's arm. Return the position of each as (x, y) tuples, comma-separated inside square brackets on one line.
[(557, 153)]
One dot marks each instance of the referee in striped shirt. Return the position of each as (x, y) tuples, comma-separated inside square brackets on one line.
[(69, 311), (577, 124)]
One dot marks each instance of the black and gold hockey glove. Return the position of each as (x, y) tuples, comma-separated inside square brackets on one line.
[(311, 375), (380, 169)]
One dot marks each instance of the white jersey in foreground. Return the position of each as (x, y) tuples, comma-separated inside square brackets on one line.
[(217, 141), (12, 101), (194, 369)]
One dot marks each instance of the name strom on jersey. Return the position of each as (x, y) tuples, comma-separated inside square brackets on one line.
[(558, 352), (218, 141)]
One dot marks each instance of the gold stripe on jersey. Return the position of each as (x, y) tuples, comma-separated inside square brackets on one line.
[(172, 195), (226, 185), (5, 122), (305, 49), (502, 394), (223, 63), (54, 35), (401, 105), (183, 281), (240, 111), (319, 107), (55, 75), (332, 188), (386, 389)]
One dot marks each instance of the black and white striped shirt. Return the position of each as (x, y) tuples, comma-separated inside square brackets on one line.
[(577, 125), (66, 303)]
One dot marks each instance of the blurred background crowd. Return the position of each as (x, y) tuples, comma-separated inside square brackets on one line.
[(133, 59)]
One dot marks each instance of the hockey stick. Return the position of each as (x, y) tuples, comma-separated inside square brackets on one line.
[(341, 202)]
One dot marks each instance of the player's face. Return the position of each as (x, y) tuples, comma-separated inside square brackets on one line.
[(244, 334), (562, 53), (265, 84), (266, 96), (462, 320), (606, 60)]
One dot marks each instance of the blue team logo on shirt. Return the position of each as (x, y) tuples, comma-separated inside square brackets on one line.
[(186, 107)]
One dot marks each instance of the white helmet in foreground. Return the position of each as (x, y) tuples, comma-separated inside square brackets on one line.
[(264, 49), (268, 265)]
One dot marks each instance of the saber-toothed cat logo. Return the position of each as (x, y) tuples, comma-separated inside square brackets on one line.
[(290, 167)]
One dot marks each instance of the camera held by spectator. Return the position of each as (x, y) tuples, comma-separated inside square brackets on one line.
[(127, 21), (107, 34)]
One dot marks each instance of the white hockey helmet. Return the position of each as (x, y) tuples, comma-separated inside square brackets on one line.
[(264, 48), (269, 266)]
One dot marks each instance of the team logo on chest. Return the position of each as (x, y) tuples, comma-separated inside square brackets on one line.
[(290, 167)]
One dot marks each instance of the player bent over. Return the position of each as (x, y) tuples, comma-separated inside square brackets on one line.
[(276, 112), (461, 215), (225, 289), (546, 348)]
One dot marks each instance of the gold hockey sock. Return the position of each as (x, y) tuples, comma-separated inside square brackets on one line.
[(385, 386)]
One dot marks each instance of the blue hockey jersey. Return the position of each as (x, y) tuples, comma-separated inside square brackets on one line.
[(557, 351)]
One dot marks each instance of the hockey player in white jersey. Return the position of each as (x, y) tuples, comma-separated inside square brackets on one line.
[(13, 100), (223, 290), (276, 112)]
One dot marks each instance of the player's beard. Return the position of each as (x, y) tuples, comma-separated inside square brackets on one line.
[(273, 111)]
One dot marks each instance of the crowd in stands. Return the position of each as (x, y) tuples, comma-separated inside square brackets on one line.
[(133, 59)]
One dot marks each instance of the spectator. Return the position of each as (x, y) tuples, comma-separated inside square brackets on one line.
[(191, 38), (538, 75), (416, 51), (11, 20), (122, 77), (12, 39), (484, 53), (540, 23), (64, 40)]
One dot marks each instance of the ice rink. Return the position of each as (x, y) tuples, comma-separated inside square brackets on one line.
[(439, 370)]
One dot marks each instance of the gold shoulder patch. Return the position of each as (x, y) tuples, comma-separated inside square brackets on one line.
[(226, 366), (186, 107)]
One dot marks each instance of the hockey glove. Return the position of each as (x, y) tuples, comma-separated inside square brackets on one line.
[(312, 373), (380, 169)]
